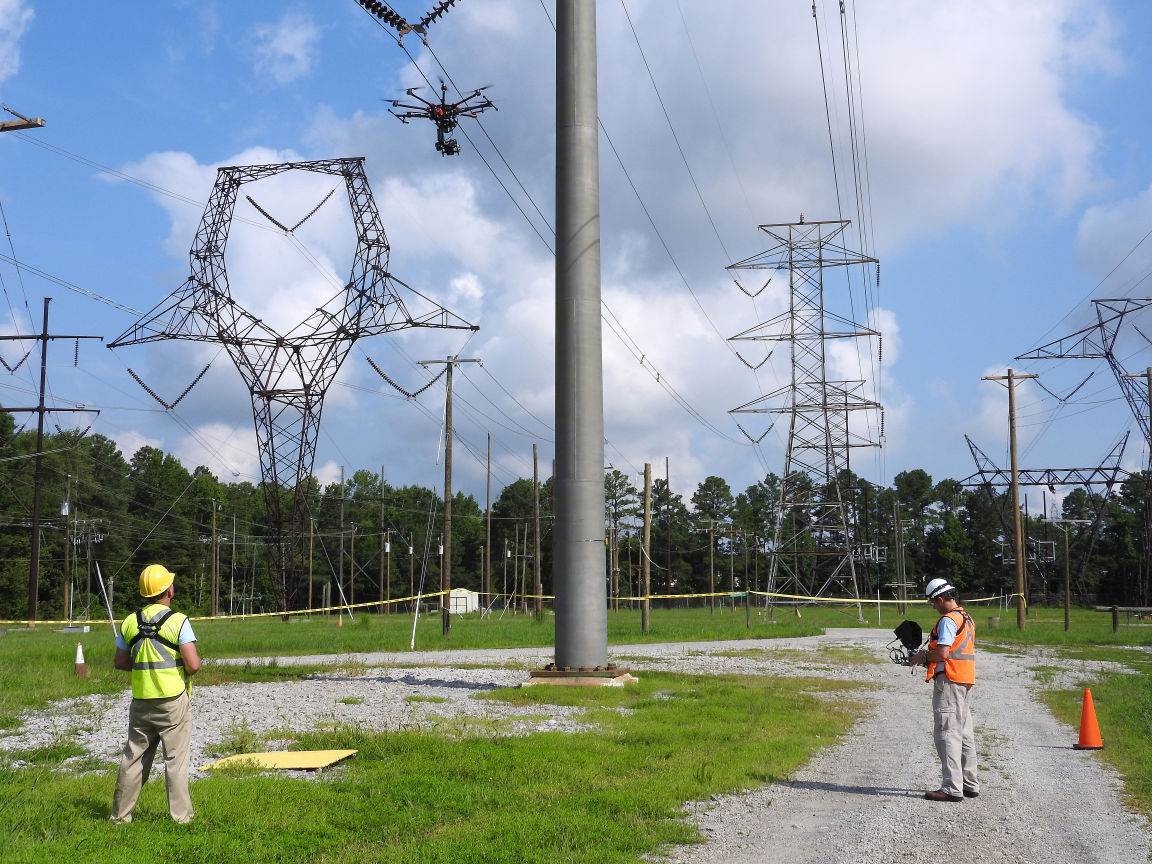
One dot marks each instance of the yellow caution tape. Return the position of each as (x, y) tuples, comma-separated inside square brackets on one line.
[(803, 598)]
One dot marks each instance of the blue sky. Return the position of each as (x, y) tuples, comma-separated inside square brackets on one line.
[(1008, 168)]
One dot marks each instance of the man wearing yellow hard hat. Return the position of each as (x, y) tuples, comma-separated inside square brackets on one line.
[(157, 645)]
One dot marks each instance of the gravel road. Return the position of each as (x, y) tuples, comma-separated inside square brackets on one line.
[(1041, 801)]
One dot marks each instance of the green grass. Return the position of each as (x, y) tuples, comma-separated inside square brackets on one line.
[(52, 754), (454, 791), (607, 795), (241, 738), (36, 666), (1123, 704)]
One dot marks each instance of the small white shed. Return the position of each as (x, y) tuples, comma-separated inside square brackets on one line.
[(461, 600)]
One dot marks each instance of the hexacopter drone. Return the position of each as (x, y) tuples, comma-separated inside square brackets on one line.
[(444, 114)]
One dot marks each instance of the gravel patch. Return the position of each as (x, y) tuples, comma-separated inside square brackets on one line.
[(860, 801)]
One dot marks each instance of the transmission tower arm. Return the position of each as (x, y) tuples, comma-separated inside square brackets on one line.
[(1097, 343)]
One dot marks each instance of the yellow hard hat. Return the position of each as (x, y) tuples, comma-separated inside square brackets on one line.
[(155, 579)]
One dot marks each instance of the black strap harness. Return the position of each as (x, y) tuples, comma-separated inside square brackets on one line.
[(146, 629)]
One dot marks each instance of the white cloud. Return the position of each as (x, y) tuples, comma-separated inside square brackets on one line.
[(229, 452), (287, 49), (129, 441), (1113, 235), (15, 16)]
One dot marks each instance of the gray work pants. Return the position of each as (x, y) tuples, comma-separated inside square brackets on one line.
[(952, 731), (152, 722)]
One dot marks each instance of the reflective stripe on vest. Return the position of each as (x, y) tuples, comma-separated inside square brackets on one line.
[(157, 668), (960, 666)]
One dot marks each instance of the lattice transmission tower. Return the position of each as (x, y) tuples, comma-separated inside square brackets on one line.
[(815, 544), (288, 375), (1099, 342)]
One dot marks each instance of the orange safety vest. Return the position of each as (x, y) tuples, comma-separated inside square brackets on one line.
[(960, 666)]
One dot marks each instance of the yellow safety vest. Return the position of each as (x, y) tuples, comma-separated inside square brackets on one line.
[(157, 664)]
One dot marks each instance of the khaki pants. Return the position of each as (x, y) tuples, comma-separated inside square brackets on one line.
[(152, 722), (952, 731)]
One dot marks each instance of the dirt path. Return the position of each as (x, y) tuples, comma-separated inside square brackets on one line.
[(1041, 801)]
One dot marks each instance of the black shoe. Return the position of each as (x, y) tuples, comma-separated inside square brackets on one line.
[(971, 793), (941, 795)]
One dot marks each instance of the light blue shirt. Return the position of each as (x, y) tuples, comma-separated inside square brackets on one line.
[(946, 631)]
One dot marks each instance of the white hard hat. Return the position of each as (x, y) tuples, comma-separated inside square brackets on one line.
[(937, 587)]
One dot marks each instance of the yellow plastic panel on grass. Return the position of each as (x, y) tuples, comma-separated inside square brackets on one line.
[(285, 760)]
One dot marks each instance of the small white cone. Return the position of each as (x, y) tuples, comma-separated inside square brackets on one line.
[(81, 666)]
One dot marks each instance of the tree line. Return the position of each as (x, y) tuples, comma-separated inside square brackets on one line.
[(104, 517)]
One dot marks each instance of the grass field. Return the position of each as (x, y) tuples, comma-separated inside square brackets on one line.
[(610, 794)]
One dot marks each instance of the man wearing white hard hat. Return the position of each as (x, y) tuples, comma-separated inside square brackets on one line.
[(951, 662), (157, 645)]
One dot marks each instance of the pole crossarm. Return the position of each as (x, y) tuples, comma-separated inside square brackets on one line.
[(21, 123), (289, 374)]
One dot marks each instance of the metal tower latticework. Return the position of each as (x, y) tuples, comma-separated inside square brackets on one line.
[(815, 547), (1098, 342), (288, 375)]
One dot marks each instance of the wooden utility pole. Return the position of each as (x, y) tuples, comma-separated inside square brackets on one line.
[(214, 599), (38, 463), (711, 567), (383, 548), (645, 562), (387, 573), (450, 363), (614, 553), (1012, 377), (537, 582), (898, 542), (340, 566), (488, 529), (504, 587), (524, 571), (1064, 526), (515, 568), (67, 548), (352, 568)]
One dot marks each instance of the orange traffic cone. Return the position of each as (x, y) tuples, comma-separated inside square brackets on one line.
[(340, 620), (1089, 731), (81, 666)]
